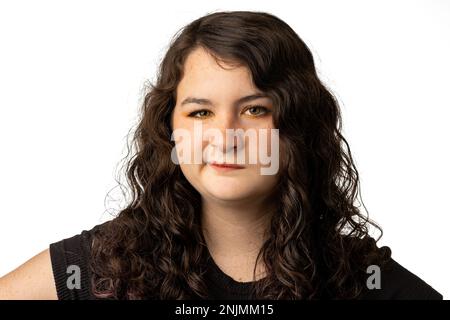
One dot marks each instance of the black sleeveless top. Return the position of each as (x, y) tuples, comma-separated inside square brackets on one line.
[(396, 281)]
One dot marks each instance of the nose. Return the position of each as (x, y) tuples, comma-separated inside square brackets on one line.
[(226, 139)]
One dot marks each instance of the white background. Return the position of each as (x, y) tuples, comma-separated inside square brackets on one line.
[(71, 80)]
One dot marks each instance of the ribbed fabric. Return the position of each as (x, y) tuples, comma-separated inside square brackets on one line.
[(72, 251), (396, 281)]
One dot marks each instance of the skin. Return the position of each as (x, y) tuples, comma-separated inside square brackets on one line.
[(32, 280), (236, 205)]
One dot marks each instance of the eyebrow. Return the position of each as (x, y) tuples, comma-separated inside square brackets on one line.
[(207, 102)]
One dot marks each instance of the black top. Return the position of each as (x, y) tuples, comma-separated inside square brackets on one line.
[(396, 281)]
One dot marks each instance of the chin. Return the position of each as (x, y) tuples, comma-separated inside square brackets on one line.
[(228, 191), (229, 196)]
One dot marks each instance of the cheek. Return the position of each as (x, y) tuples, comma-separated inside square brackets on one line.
[(192, 173)]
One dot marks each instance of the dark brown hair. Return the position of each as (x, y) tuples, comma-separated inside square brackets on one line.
[(318, 245)]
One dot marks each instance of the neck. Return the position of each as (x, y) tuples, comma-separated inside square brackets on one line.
[(234, 232)]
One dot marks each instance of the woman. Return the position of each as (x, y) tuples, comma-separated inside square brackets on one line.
[(219, 229)]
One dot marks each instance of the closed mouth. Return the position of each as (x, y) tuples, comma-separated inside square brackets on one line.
[(226, 165)]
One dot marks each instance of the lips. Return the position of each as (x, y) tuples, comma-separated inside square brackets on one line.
[(226, 165)]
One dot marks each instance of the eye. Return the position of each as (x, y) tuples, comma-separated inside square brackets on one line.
[(257, 111), (199, 113)]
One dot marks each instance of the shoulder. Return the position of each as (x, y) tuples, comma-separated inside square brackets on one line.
[(70, 259), (59, 272), (398, 283), (31, 280)]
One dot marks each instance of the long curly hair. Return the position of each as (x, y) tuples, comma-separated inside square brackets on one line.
[(318, 245)]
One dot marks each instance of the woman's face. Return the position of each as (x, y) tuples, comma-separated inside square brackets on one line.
[(218, 105)]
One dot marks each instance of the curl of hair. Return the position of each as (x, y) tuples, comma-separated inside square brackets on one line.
[(318, 245)]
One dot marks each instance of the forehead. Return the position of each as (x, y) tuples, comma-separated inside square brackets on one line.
[(204, 76)]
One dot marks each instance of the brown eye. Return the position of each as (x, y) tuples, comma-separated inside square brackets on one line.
[(199, 113), (257, 110)]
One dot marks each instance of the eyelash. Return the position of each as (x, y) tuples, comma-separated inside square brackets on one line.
[(266, 111)]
